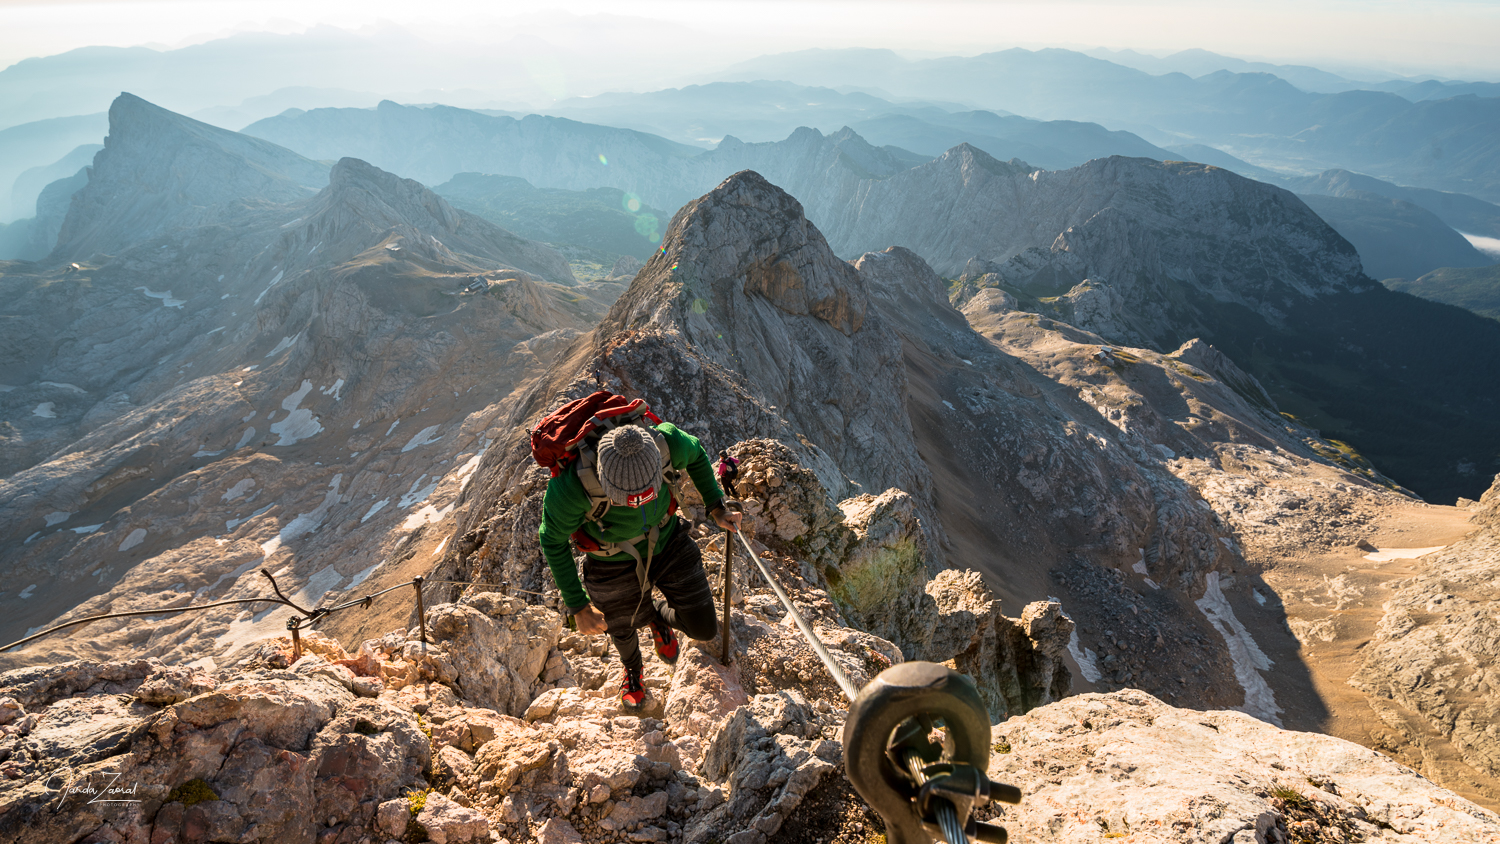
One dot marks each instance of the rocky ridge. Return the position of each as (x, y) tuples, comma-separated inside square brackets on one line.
[(191, 168), (226, 396), (744, 298)]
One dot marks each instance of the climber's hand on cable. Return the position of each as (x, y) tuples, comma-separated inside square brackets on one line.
[(727, 515), (590, 621)]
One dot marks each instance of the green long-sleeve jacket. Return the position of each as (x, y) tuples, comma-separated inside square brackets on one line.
[(565, 505)]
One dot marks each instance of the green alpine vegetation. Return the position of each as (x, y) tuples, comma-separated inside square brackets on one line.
[(1473, 288)]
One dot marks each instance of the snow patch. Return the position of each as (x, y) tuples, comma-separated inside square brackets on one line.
[(135, 538), (215, 331), (57, 518), (1259, 598), (423, 437), (392, 428), (375, 508), (300, 424), (466, 471), (26, 593), (72, 388), (87, 529), (166, 298), (424, 516), (1385, 555), (245, 440), (286, 343), (441, 546), (417, 496), (205, 453), (238, 489), (269, 286), (44, 410), (233, 523), (1249, 659), (1088, 661), (312, 520), (251, 416), (333, 390)]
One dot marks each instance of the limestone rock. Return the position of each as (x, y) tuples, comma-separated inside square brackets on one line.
[(446, 821), (775, 742), (879, 580), (283, 755), (703, 693), (1127, 765), (495, 662), (173, 685)]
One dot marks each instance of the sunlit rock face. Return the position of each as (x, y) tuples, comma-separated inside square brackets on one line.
[(264, 377)]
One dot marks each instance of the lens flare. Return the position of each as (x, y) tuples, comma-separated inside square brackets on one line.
[(602, 160), (631, 202)]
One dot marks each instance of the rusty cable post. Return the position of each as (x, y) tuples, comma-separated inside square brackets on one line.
[(421, 610), (728, 632), (294, 624)]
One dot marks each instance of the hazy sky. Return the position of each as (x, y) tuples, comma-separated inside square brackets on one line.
[(1457, 38)]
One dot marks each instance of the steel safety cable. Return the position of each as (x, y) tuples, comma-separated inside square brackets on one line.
[(812, 639)]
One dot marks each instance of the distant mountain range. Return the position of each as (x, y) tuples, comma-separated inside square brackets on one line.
[(1448, 144), (1395, 238), (1115, 246)]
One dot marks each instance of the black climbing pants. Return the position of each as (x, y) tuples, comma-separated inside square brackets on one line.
[(677, 572)]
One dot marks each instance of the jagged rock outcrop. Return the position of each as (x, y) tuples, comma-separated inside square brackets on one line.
[(408, 215), (1430, 672), (743, 314), (189, 168), (1133, 226), (1125, 765), (300, 387), (271, 754), (1017, 663)]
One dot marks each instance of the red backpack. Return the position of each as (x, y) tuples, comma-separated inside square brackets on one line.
[(568, 437)]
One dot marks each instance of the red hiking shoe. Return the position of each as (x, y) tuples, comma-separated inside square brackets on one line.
[(632, 693), (666, 642)]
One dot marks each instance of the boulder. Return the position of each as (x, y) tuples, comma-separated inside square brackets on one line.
[(1125, 765)]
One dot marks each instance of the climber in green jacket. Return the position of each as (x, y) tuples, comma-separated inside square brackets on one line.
[(636, 544)]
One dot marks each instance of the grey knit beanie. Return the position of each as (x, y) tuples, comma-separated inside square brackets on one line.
[(629, 463)]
